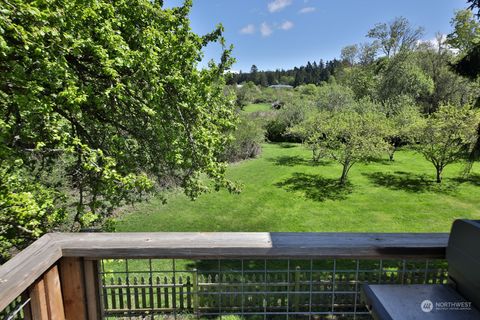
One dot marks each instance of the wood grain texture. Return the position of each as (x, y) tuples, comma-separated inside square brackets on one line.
[(92, 292), (26, 267), (38, 302), (254, 245), (73, 288), (53, 292)]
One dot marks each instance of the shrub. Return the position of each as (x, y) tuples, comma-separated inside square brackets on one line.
[(248, 137), (278, 127)]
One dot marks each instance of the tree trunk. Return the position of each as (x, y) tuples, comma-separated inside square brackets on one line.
[(439, 175), (343, 178), (391, 151)]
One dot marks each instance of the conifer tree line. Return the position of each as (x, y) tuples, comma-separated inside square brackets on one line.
[(311, 73)]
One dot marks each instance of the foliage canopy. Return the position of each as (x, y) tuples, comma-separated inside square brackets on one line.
[(114, 90)]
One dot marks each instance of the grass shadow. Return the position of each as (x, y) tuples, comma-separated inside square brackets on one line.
[(382, 161), (316, 187), (286, 145), (472, 178), (410, 182), (291, 161)]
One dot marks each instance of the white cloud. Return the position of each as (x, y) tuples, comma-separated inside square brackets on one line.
[(248, 29), (266, 29), (278, 5), (438, 41), (287, 25), (231, 71), (307, 10)]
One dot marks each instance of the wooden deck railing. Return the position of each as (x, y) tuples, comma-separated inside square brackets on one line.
[(59, 273)]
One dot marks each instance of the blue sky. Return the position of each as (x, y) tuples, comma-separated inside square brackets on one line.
[(286, 33)]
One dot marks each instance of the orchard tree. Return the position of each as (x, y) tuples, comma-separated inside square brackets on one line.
[(334, 97), (447, 136), (348, 137), (115, 92), (311, 134), (403, 126)]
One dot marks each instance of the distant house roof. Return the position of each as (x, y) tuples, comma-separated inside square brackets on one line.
[(281, 86)]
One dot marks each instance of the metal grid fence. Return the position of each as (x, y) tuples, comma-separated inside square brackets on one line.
[(251, 289), (17, 309)]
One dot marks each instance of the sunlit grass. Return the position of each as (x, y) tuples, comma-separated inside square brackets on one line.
[(257, 107), (284, 191)]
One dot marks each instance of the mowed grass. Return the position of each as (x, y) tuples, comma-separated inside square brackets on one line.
[(257, 107), (284, 191)]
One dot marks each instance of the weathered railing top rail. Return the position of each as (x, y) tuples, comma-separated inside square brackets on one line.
[(20, 272)]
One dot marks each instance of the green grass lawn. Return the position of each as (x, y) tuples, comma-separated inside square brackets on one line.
[(257, 107), (284, 191)]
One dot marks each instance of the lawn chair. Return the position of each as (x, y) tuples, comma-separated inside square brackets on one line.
[(459, 299)]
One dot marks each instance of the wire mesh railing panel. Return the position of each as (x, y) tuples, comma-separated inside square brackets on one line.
[(18, 309), (252, 289)]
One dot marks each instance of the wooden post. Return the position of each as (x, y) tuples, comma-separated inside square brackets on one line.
[(73, 288), (38, 302), (53, 293), (92, 291), (46, 297)]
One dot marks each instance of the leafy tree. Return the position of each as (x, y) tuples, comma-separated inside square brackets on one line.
[(402, 76), (395, 36), (367, 52), (466, 33), (246, 94), (447, 136), (309, 90), (349, 54), (28, 208), (466, 38), (404, 123), (436, 59), (294, 111), (114, 90), (469, 66), (247, 140), (361, 80), (334, 97), (347, 137), (475, 5)]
